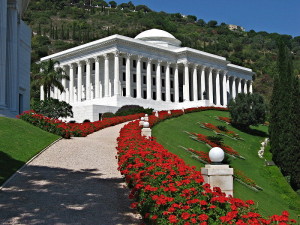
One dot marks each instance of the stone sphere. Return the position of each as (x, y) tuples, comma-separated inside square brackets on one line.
[(142, 118), (146, 124), (216, 155), (146, 115)]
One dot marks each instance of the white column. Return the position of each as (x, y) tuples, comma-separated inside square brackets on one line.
[(88, 80), (250, 87), (158, 81), (224, 89), (176, 84), (210, 86), (97, 77), (117, 75), (64, 84), (42, 93), (139, 78), (168, 83), (186, 86), (106, 75), (233, 88), (239, 85), (203, 82), (71, 84), (128, 76), (195, 83), (149, 80), (245, 87), (218, 98), (3, 43), (79, 82)]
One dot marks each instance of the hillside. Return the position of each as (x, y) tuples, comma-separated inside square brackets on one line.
[(59, 25), (276, 195)]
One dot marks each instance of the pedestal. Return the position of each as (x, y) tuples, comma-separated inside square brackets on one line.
[(219, 176), (146, 132)]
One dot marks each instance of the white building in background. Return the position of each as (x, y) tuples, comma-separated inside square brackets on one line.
[(151, 70), (15, 53)]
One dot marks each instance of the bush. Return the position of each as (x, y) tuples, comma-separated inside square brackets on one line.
[(222, 128), (247, 109), (132, 109), (216, 139), (86, 121), (108, 115), (53, 108)]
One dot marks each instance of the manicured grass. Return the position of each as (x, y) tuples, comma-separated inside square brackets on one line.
[(277, 194), (19, 142)]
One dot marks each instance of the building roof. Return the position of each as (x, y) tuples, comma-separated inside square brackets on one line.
[(159, 37)]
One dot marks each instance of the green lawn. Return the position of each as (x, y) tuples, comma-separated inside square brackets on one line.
[(277, 194), (19, 142)]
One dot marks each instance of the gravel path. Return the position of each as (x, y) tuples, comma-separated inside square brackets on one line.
[(75, 181)]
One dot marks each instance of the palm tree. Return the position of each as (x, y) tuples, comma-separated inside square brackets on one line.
[(49, 77)]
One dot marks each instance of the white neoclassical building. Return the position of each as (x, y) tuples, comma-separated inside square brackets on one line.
[(151, 70), (15, 52)]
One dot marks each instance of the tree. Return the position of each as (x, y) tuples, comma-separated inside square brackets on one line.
[(53, 108), (284, 118), (247, 109), (212, 23), (113, 4), (49, 77), (201, 23)]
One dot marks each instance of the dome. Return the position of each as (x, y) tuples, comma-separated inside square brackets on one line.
[(159, 37)]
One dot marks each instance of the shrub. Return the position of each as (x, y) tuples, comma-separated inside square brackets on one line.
[(222, 128), (53, 108), (86, 121), (216, 139), (108, 115), (132, 109)]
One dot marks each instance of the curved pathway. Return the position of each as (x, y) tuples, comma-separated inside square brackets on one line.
[(75, 181)]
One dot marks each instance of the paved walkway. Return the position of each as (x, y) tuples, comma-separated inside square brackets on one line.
[(74, 182)]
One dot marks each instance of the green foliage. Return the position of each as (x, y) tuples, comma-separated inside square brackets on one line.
[(132, 109), (247, 109), (216, 139), (284, 119), (108, 115), (53, 108), (222, 128)]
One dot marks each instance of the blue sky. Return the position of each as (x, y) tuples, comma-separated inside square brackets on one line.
[(273, 16)]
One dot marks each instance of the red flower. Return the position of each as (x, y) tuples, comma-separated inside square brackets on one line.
[(173, 219)]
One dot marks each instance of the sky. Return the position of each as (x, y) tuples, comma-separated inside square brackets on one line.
[(273, 16)]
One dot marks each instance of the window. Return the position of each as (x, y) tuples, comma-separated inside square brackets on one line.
[(124, 62), (172, 97), (172, 84), (153, 81), (163, 96), (94, 66), (84, 68), (163, 69), (124, 91), (144, 94), (144, 80), (144, 65), (134, 63), (154, 95), (124, 76), (171, 70), (134, 93), (153, 67), (163, 82), (134, 78)]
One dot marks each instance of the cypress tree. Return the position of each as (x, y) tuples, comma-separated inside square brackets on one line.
[(62, 32)]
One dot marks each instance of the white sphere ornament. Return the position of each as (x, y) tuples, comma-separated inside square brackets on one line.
[(216, 155), (146, 124), (142, 118)]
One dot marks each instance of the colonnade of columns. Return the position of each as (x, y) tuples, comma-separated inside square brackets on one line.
[(149, 79)]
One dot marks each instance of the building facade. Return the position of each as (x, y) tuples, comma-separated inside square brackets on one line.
[(15, 53), (151, 70)]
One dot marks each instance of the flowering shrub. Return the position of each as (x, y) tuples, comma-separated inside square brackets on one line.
[(226, 148), (167, 191), (66, 130), (224, 119), (219, 131)]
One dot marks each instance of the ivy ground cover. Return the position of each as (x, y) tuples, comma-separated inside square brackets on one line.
[(276, 195), (166, 190)]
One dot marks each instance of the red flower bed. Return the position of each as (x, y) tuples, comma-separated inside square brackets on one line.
[(216, 129), (226, 148), (167, 191), (203, 155), (225, 119), (72, 129)]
